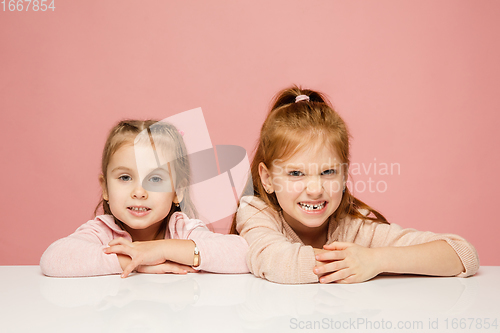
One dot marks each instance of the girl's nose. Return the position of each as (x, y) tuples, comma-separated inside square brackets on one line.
[(139, 193), (314, 186)]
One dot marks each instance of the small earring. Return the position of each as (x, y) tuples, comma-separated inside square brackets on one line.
[(177, 204)]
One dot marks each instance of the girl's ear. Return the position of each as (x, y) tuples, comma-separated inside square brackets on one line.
[(266, 178), (177, 198), (179, 194), (102, 181)]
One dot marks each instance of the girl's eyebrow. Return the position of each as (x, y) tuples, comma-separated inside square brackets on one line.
[(324, 166), (334, 165), (159, 169), (121, 168), (294, 166)]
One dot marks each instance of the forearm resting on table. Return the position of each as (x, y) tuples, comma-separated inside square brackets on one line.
[(180, 251), (433, 258)]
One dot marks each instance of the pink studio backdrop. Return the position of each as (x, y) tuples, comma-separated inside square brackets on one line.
[(416, 81)]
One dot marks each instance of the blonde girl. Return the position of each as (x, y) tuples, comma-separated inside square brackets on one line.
[(149, 221), (303, 224)]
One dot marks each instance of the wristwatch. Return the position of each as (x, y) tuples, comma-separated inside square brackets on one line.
[(196, 259)]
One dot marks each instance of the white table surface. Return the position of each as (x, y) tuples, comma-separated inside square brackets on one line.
[(202, 302)]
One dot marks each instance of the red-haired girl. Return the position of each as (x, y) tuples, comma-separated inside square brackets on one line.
[(303, 225)]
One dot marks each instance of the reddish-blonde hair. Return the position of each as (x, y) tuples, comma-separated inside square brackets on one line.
[(164, 136), (288, 129)]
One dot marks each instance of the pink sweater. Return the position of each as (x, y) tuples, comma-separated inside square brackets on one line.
[(80, 254), (277, 254)]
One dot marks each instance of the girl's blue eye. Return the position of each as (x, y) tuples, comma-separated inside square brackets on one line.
[(125, 178), (155, 179), (329, 172), (295, 173)]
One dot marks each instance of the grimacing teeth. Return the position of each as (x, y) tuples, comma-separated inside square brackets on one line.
[(312, 207), (139, 209)]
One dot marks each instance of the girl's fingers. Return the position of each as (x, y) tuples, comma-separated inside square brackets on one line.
[(129, 269), (150, 269), (176, 268), (171, 265), (190, 269), (330, 255), (168, 268), (349, 279), (121, 249), (330, 267), (335, 276), (162, 268)]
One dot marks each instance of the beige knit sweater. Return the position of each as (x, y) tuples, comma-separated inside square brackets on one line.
[(277, 254)]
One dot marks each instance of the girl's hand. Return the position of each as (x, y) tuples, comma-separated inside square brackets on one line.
[(166, 267), (346, 263), (149, 256)]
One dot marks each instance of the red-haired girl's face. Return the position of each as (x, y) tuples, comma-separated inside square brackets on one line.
[(308, 186)]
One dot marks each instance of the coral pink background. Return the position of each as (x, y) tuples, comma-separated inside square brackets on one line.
[(416, 81)]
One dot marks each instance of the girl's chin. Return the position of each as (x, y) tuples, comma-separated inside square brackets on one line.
[(313, 224), (307, 220), (314, 220)]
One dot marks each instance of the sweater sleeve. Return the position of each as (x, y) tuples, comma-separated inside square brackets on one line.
[(374, 234), (81, 253), (218, 253), (271, 255)]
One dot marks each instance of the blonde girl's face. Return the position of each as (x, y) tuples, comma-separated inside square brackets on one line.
[(308, 186), (139, 208)]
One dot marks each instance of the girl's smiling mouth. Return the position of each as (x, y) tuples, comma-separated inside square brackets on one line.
[(315, 207), (139, 210)]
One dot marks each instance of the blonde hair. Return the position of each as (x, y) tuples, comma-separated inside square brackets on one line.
[(282, 135), (160, 134)]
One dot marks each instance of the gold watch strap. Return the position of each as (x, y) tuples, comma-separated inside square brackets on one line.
[(196, 260)]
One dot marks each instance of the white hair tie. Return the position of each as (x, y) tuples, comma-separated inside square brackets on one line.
[(301, 98)]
